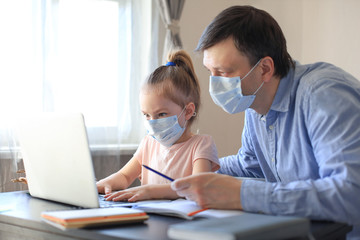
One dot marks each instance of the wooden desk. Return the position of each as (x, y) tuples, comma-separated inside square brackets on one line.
[(23, 221)]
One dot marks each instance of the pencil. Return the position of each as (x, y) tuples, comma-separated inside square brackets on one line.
[(195, 212), (159, 173), (169, 178)]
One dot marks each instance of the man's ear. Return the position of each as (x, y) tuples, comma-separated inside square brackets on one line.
[(190, 110), (268, 68)]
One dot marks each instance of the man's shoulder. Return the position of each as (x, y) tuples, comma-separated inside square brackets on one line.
[(320, 73)]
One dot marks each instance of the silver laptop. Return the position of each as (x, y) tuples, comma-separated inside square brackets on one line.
[(57, 158)]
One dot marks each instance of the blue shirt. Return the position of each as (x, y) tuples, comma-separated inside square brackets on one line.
[(307, 147)]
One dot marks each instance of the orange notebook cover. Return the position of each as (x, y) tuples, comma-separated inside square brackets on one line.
[(81, 218)]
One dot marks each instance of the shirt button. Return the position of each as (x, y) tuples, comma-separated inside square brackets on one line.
[(273, 159), (271, 127)]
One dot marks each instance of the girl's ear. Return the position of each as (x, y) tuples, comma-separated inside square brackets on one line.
[(189, 111)]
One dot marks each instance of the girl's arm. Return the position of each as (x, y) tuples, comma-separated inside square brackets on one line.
[(144, 192), (121, 179), (157, 191), (201, 165)]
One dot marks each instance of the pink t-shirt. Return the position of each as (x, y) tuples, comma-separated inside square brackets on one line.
[(176, 161)]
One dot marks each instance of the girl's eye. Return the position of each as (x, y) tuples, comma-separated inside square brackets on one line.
[(162, 114), (147, 116)]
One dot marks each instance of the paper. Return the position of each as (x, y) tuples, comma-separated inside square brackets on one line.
[(182, 208)]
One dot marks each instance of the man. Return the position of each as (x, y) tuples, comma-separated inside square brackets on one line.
[(301, 131)]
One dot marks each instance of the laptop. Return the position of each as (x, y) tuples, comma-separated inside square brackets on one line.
[(57, 159)]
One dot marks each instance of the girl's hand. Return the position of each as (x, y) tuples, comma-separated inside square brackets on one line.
[(103, 187), (133, 194)]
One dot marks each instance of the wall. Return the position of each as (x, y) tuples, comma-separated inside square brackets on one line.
[(316, 30)]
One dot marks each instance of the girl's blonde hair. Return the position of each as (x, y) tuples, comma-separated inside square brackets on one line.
[(178, 83)]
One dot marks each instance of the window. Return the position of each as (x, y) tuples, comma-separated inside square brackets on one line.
[(77, 55)]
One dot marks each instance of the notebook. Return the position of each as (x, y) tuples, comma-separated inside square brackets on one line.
[(186, 209), (57, 159), (93, 217)]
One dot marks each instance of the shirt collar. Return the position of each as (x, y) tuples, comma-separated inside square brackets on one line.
[(281, 101)]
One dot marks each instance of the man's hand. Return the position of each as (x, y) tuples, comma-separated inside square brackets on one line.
[(210, 190)]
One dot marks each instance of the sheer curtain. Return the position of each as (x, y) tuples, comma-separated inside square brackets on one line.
[(86, 56)]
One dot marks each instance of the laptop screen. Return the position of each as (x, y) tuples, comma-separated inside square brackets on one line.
[(57, 158)]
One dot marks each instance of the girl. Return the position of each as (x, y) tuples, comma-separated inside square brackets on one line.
[(169, 100)]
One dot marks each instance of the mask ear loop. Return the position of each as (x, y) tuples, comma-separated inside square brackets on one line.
[(182, 112), (258, 88), (185, 118), (193, 115), (251, 70)]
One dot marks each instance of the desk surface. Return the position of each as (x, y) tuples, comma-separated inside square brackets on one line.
[(20, 218)]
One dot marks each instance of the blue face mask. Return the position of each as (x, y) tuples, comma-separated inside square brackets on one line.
[(226, 93), (165, 130)]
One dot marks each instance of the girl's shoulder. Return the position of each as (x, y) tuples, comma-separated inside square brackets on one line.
[(201, 139), (148, 142)]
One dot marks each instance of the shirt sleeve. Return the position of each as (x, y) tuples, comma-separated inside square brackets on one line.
[(205, 148), (331, 117)]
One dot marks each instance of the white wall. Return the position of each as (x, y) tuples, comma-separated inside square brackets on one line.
[(316, 30)]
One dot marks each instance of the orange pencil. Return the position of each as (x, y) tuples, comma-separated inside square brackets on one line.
[(195, 212)]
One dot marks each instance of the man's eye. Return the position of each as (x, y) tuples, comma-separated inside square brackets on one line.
[(219, 73)]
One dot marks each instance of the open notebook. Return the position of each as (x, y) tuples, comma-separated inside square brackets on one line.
[(57, 159)]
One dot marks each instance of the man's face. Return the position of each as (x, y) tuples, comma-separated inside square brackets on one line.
[(224, 59)]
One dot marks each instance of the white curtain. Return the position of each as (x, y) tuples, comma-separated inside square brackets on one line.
[(87, 56)]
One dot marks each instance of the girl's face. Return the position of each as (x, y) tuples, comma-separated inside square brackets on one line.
[(155, 106)]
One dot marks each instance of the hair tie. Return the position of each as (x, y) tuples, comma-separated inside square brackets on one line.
[(170, 64)]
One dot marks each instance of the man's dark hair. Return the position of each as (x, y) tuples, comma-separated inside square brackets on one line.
[(255, 33)]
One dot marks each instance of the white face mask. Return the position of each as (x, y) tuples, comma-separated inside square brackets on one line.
[(226, 93), (165, 130)]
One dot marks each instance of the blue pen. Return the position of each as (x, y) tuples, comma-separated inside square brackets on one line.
[(169, 178), (159, 173)]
